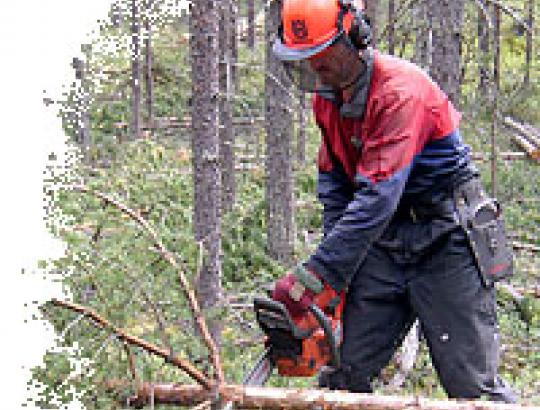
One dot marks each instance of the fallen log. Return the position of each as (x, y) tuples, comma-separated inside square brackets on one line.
[(525, 130), (527, 146), (520, 246), (272, 398), (507, 156), (527, 140)]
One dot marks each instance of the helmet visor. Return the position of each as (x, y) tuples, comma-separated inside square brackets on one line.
[(286, 53), (299, 68)]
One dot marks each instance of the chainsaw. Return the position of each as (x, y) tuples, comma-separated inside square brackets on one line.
[(297, 347)]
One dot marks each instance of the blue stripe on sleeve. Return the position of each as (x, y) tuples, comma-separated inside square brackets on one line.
[(343, 249)]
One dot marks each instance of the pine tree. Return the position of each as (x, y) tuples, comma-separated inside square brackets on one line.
[(279, 182), (205, 145)]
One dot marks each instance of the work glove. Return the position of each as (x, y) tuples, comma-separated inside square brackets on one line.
[(299, 289)]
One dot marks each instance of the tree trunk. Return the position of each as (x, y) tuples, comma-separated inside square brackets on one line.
[(83, 115), (447, 20), (391, 27), (135, 70), (279, 182), (301, 142), (233, 16), (251, 24), (422, 50), (483, 45), (226, 135), (205, 145), (496, 74), (116, 15), (529, 41), (372, 11), (148, 66)]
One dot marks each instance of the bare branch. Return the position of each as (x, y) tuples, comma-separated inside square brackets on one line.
[(132, 367), (169, 257), (183, 364), (511, 13)]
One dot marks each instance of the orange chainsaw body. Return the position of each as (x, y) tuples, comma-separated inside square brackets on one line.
[(304, 344)]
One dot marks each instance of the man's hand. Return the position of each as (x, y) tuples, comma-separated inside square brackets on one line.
[(298, 290)]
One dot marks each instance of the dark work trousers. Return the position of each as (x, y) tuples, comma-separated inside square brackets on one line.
[(425, 270)]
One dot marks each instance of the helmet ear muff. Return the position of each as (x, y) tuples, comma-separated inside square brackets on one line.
[(280, 32), (360, 34)]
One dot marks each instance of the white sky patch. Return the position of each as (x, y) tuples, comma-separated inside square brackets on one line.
[(38, 40)]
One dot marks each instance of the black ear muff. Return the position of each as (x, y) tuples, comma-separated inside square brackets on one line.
[(360, 34), (280, 32)]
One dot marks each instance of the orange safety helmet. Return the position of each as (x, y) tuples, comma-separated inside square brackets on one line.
[(310, 26)]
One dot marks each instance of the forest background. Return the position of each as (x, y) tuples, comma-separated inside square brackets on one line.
[(116, 169)]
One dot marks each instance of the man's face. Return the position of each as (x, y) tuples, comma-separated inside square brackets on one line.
[(336, 66)]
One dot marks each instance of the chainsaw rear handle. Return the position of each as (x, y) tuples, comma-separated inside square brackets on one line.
[(328, 333)]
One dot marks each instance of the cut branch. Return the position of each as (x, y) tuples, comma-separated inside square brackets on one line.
[(507, 156), (169, 257), (527, 146), (526, 131), (520, 246), (245, 397), (183, 364)]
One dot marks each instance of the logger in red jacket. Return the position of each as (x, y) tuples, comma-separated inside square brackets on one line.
[(409, 232)]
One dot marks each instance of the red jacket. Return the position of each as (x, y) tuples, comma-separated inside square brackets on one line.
[(395, 141)]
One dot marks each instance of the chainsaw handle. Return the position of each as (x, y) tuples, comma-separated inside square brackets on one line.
[(328, 333)]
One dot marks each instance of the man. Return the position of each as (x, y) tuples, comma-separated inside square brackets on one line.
[(408, 229)]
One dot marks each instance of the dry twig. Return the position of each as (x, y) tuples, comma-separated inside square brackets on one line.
[(169, 257), (183, 364)]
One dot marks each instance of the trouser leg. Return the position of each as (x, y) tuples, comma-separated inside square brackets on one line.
[(458, 318), (376, 318)]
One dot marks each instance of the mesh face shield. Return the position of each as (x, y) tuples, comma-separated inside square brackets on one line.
[(302, 74)]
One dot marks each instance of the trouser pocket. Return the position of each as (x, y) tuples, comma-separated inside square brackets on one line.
[(481, 218)]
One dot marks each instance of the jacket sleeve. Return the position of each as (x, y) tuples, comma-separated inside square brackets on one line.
[(381, 175), (334, 192)]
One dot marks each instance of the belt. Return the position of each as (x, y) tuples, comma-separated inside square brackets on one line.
[(466, 191)]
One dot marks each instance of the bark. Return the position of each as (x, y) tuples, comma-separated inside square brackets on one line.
[(483, 44), (529, 41), (301, 142), (372, 11), (407, 355), (251, 24), (424, 35), (279, 181), (226, 134), (135, 70), (445, 69), (496, 74), (270, 398), (391, 26), (84, 139), (205, 146), (116, 15), (148, 66), (233, 16)]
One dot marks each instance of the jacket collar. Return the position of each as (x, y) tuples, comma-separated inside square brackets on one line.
[(357, 106)]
